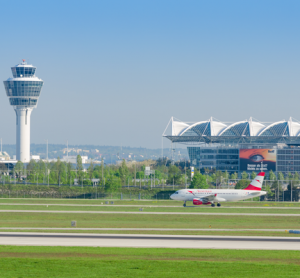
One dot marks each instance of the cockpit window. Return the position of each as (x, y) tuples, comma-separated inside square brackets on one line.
[(176, 193)]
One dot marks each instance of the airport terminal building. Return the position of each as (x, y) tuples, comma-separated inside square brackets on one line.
[(247, 145)]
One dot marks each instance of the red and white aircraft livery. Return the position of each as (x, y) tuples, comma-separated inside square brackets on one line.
[(212, 196)]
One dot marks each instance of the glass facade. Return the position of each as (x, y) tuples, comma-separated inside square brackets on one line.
[(23, 101), (199, 129), (288, 160), (280, 129), (227, 159), (23, 71), (239, 129), (24, 89), (221, 159)]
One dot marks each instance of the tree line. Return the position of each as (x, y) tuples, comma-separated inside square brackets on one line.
[(113, 177)]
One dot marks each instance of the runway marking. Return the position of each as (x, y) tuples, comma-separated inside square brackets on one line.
[(164, 237), (143, 229), (147, 212), (141, 205), (157, 241)]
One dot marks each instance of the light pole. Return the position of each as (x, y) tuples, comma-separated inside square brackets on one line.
[(185, 173), (102, 166), (291, 191), (135, 174), (67, 151), (47, 160)]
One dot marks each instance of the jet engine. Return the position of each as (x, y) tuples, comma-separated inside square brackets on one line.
[(198, 202)]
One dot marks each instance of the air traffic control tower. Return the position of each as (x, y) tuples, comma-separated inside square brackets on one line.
[(23, 91)]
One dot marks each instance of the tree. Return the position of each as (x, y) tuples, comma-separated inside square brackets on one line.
[(226, 175), (112, 184), (32, 168), (276, 185), (174, 175), (91, 169), (272, 176), (60, 169), (289, 176), (19, 168), (270, 193), (253, 175), (79, 168), (280, 176), (233, 176), (102, 172), (199, 181), (69, 170), (244, 175), (123, 171), (242, 184)]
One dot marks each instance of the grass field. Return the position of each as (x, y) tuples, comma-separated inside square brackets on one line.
[(132, 262), (141, 220), (115, 220)]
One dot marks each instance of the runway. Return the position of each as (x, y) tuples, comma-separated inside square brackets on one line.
[(147, 212), (141, 205), (153, 241), (142, 229)]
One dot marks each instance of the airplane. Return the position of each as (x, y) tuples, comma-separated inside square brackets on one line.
[(212, 196)]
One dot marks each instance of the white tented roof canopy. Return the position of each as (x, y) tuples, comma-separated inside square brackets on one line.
[(178, 127), (246, 128), (210, 127), (282, 128), (243, 128)]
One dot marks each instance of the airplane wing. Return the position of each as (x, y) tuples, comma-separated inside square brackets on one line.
[(208, 198)]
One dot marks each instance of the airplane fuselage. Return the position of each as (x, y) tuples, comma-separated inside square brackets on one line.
[(221, 195)]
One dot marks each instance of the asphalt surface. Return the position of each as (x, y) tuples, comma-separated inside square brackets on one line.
[(143, 229), (141, 205), (146, 212), (158, 241)]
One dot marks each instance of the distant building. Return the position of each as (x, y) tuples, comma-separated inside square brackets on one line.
[(35, 157), (4, 156), (73, 159), (247, 145)]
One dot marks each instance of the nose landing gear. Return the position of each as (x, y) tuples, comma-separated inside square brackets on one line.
[(184, 205)]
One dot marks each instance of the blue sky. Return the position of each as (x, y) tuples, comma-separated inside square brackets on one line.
[(116, 71)]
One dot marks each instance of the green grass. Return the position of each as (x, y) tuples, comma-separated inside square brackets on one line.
[(24, 261), (143, 202), (115, 220), (141, 220), (57, 207)]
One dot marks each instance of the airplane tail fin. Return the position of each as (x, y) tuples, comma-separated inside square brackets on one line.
[(256, 184)]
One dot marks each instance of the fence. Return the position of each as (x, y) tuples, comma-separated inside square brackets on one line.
[(279, 191), (76, 195)]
